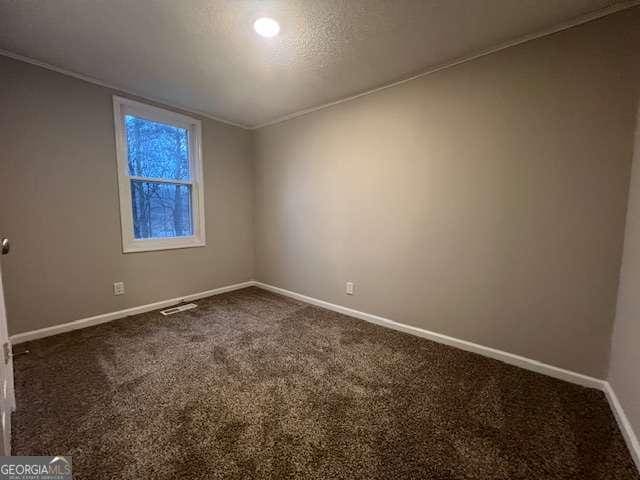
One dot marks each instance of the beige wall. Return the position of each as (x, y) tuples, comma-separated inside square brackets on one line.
[(625, 349), (486, 201), (59, 206)]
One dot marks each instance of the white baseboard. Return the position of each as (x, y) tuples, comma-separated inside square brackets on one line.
[(108, 317), (625, 427), (527, 363), (623, 422), (505, 357)]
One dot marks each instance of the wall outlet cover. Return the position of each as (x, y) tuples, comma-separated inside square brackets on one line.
[(118, 288)]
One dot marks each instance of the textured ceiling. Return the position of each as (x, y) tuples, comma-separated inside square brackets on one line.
[(203, 55)]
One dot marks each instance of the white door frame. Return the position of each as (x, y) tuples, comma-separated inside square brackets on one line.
[(7, 395)]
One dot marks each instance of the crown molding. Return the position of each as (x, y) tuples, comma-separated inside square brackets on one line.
[(117, 89), (617, 7), (603, 12)]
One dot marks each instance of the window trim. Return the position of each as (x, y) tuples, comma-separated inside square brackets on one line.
[(123, 106)]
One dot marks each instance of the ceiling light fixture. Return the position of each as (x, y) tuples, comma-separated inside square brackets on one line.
[(266, 27)]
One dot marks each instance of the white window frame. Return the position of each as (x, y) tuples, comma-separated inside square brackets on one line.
[(124, 106)]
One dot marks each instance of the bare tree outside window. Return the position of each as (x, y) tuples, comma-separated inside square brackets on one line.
[(158, 160), (160, 177)]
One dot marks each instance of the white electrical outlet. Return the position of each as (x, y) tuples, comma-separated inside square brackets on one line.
[(118, 288), (349, 288)]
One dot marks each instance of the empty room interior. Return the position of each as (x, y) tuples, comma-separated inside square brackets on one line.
[(320, 239)]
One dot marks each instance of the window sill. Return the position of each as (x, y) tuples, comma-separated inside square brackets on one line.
[(162, 244)]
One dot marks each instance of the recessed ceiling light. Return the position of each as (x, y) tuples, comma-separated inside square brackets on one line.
[(266, 27)]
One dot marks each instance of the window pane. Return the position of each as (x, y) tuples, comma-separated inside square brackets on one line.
[(161, 210), (157, 150)]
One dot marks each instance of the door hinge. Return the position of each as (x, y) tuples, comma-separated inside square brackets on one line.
[(6, 350)]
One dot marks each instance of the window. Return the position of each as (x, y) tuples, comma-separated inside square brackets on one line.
[(160, 177)]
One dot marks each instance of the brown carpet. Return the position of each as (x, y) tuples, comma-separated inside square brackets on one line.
[(253, 385)]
